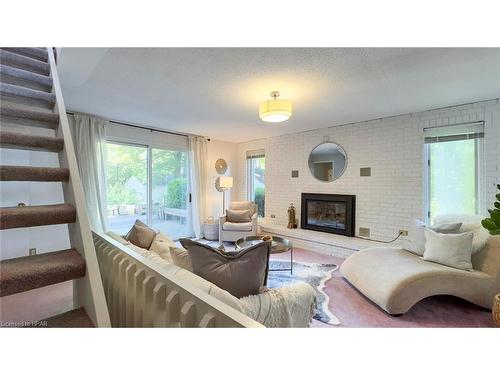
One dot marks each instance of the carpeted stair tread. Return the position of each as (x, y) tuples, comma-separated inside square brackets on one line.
[(24, 62), (23, 173), (33, 52), (35, 271), (17, 114), (32, 216), (26, 75), (20, 141), (6, 89), (77, 318)]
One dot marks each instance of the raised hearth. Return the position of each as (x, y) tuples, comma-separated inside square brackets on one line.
[(332, 213)]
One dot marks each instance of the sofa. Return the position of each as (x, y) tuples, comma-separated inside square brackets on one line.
[(396, 279), (291, 306), (229, 231)]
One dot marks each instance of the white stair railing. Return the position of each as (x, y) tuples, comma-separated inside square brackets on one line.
[(88, 291), (141, 293)]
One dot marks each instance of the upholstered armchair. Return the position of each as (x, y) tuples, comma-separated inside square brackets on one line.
[(229, 231)]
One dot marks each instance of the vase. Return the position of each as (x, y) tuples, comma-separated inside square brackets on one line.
[(496, 310)]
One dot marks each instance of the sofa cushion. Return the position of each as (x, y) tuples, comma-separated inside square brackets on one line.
[(180, 257), (241, 273), (141, 235), (396, 279), (118, 238), (416, 239), (454, 250), (240, 227), (161, 245), (238, 216)]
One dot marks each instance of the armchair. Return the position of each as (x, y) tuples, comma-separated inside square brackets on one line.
[(229, 231)]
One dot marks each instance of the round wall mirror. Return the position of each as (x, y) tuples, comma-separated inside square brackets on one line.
[(327, 161)]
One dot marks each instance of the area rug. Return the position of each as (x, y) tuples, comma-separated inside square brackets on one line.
[(314, 274)]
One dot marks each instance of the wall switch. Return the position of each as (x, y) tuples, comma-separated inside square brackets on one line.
[(403, 232), (32, 251), (295, 174), (364, 232)]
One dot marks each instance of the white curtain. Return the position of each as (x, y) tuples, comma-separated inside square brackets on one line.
[(90, 145), (197, 159)]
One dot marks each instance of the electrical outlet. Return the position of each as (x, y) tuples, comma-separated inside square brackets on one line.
[(273, 216), (32, 251), (403, 232)]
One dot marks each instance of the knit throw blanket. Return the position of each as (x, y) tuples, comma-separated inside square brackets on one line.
[(288, 306)]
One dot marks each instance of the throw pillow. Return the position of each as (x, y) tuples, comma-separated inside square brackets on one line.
[(241, 273), (180, 257), (238, 216), (416, 238), (470, 223), (141, 235), (454, 250), (161, 245)]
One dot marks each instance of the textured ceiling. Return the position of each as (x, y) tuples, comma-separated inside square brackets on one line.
[(216, 91)]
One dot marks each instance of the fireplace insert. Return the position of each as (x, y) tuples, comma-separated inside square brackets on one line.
[(333, 213)]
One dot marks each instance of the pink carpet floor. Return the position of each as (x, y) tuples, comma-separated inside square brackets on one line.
[(355, 310), (350, 306)]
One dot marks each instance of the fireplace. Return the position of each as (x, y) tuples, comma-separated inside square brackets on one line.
[(333, 213)]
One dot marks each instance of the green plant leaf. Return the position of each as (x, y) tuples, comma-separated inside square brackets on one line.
[(495, 232), (497, 205), (488, 224), (495, 217)]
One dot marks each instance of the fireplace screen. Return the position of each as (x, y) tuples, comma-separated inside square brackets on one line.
[(333, 213), (326, 214)]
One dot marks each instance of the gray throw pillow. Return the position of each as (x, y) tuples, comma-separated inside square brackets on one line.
[(238, 216), (241, 273), (141, 235)]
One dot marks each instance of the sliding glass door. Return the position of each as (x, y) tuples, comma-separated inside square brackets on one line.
[(170, 192), (149, 184), (127, 185)]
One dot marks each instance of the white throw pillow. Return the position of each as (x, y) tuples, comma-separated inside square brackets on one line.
[(416, 236), (453, 250), (161, 245), (470, 223)]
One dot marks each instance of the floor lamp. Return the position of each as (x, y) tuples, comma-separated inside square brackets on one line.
[(225, 183)]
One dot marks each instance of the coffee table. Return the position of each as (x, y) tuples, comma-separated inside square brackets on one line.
[(279, 245)]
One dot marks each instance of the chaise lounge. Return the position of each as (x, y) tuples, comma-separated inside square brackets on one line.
[(396, 279)]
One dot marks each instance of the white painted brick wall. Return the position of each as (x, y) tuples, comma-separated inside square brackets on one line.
[(392, 197)]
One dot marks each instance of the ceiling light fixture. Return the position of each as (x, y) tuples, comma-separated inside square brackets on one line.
[(275, 110)]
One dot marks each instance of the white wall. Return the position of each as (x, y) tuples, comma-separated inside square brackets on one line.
[(218, 150), (392, 197), (16, 242)]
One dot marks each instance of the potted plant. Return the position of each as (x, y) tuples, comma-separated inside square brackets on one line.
[(492, 224)]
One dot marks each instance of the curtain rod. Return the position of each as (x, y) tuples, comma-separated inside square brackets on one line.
[(146, 128)]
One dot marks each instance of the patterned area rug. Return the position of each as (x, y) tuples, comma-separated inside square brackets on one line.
[(314, 274)]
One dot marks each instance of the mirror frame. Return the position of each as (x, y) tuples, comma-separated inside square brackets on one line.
[(345, 165)]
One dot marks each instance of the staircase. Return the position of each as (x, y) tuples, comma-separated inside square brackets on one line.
[(30, 96)]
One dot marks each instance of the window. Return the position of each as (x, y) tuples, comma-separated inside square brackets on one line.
[(256, 187), (149, 184), (453, 169)]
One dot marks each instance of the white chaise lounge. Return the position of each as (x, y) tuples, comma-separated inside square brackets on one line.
[(396, 279)]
